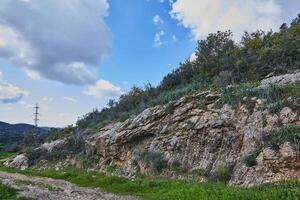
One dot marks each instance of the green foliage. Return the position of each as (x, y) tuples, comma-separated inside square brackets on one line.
[(166, 189), (219, 61), (176, 167), (200, 172), (154, 160), (275, 96), (8, 193), (86, 161), (234, 94), (250, 160), (33, 138), (5, 155), (222, 173), (112, 168), (56, 134), (290, 133)]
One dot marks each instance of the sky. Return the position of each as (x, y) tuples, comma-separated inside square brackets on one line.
[(72, 56)]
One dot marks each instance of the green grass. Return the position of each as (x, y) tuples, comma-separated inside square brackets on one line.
[(8, 193), (4, 155), (289, 133), (166, 189), (275, 96)]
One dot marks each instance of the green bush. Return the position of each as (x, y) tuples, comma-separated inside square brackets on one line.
[(176, 167), (222, 173), (154, 160), (250, 160), (290, 133), (200, 172), (112, 168), (8, 193)]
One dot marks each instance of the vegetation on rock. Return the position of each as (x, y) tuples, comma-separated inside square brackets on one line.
[(220, 62)]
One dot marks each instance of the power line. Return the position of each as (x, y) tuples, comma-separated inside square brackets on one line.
[(36, 114)]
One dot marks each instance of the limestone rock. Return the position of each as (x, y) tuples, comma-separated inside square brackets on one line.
[(51, 145), (287, 115), (280, 80), (19, 162)]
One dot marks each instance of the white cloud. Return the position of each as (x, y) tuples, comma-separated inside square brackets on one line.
[(193, 57), (174, 38), (163, 1), (71, 99), (34, 75), (10, 93), (208, 16), (158, 42), (47, 99), (157, 20), (25, 104), (60, 40), (103, 89)]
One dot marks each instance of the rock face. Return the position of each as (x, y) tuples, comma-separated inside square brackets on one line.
[(19, 162), (52, 145), (203, 140), (281, 80)]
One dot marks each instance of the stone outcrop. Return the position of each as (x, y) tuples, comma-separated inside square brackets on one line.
[(192, 136), (281, 80), (199, 139), (19, 162), (52, 145)]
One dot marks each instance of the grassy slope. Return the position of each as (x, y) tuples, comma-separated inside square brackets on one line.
[(4, 155), (8, 193), (166, 189)]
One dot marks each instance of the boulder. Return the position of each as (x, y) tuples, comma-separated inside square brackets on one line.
[(282, 80), (19, 162)]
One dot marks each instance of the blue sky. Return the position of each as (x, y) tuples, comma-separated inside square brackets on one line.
[(72, 56)]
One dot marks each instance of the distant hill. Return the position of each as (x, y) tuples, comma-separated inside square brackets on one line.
[(11, 135)]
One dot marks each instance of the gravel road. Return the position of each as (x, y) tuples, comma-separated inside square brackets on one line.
[(40, 188)]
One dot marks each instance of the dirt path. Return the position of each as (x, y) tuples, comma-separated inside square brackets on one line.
[(49, 189)]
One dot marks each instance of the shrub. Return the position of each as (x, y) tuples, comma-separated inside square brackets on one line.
[(200, 172), (35, 155), (112, 168), (222, 173), (176, 167), (250, 160), (170, 107), (290, 133), (85, 160), (8, 193), (155, 160)]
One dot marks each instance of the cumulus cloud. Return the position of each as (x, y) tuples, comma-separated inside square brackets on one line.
[(47, 99), (71, 99), (10, 93), (157, 20), (158, 42), (103, 89), (60, 40), (208, 16), (34, 75)]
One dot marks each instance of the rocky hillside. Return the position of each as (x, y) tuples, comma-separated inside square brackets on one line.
[(207, 141), (244, 135)]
